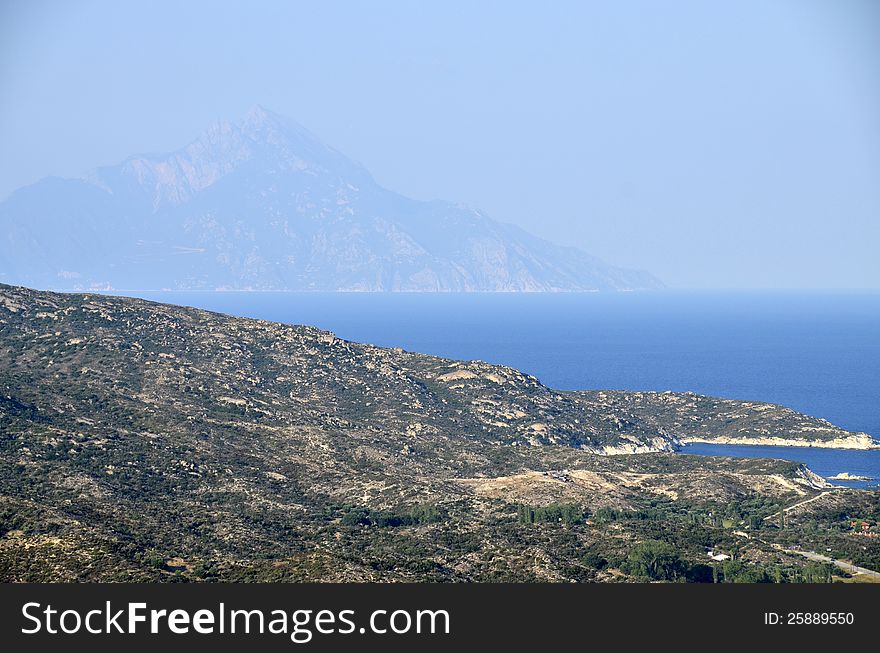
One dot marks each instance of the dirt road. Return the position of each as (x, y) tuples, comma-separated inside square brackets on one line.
[(798, 504)]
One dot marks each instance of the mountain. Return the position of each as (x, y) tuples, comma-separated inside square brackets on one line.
[(141, 441), (262, 204)]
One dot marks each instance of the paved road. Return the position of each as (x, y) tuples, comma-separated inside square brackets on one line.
[(852, 569)]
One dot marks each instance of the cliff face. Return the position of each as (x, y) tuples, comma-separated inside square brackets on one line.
[(262, 204)]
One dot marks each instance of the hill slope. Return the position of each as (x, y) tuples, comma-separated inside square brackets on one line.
[(146, 441)]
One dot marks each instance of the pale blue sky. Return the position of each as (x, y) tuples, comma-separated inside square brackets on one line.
[(715, 144)]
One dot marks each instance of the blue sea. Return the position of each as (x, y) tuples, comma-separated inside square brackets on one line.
[(816, 352)]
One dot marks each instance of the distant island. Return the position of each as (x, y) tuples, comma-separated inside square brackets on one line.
[(262, 204), (846, 476), (148, 442)]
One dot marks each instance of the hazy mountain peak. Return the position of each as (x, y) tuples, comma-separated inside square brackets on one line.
[(268, 128), (258, 116), (276, 143), (262, 203), (259, 113)]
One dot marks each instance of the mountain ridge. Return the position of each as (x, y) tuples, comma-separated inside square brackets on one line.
[(263, 204)]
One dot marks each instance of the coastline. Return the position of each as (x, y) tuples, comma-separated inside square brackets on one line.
[(859, 441)]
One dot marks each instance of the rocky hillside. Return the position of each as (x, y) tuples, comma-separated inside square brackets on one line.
[(262, 204), (146, 441), (186, 367)]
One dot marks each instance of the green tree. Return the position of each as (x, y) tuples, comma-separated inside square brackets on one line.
[(655, 560)]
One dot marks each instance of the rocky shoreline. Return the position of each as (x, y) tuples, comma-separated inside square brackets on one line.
[(846, 476), (858, 441)]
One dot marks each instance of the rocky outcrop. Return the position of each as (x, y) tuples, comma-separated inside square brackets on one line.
[(846, 476)]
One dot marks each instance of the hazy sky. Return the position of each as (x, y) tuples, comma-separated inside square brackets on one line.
[(715, 144)]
